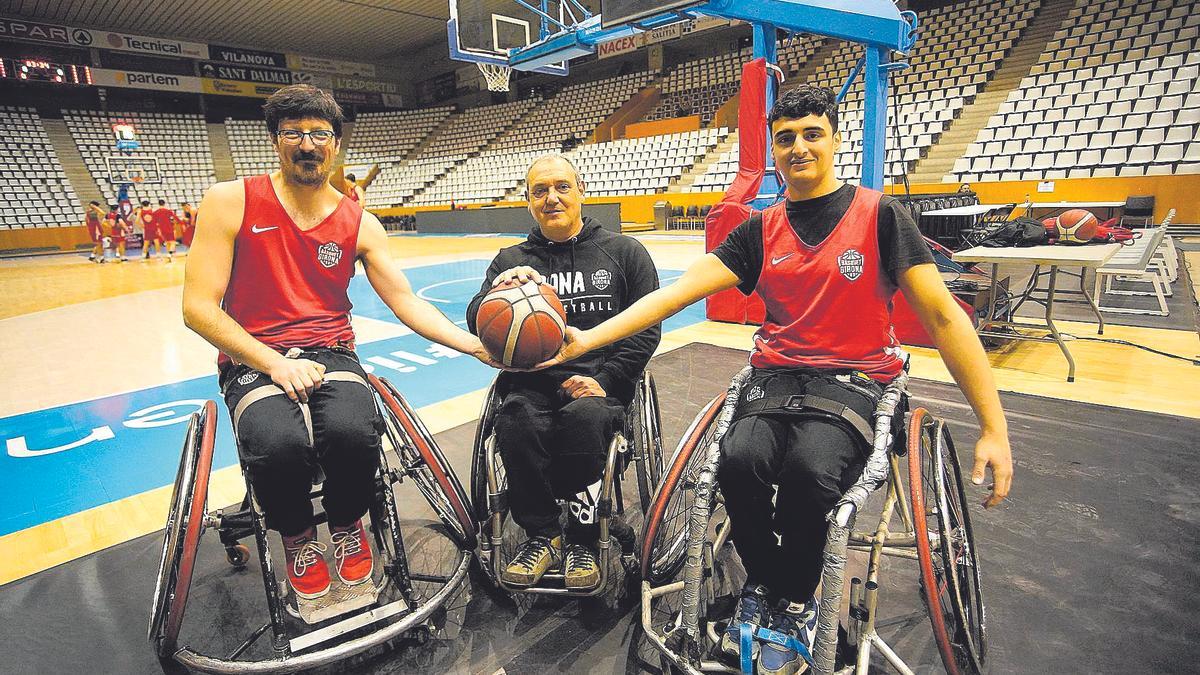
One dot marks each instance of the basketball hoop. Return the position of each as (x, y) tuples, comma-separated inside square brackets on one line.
[(137, 178), (496, 75)]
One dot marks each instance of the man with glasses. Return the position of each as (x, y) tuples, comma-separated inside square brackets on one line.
[(266, 284), (553, 427)]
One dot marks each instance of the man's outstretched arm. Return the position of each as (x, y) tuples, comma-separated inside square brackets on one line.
[(705, 276), (395, 291)]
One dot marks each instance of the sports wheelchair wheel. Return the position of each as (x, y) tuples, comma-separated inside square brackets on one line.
[(423, 462), (664, 538), (643, 433), (185, 524), (946, 553)]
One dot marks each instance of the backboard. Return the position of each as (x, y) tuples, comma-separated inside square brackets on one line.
[(124, 169), (628, 12), (478, 34)]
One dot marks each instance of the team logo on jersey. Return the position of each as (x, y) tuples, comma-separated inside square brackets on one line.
[(329, 255), (851, 264), (755, 393), (248, 378), (601, 278)]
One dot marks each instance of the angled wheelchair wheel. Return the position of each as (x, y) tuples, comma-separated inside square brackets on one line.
[(664, 536), (423, 462), (185, 524), (946, 553), (643, 429)]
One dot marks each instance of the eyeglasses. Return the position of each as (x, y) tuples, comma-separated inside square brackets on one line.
[(296, 137), (540, 192)]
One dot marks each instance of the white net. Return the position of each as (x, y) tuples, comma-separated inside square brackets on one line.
[(496, 75)]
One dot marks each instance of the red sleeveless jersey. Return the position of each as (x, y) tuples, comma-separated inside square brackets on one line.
[(288, 287), (829, 305), (146, 216), (163, 217), (93, 220)]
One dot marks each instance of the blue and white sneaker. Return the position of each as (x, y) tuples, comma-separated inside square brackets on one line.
[(787, 644), (752, 610)]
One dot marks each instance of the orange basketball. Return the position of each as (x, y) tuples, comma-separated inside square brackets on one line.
[(1076, 226), (521, 324)]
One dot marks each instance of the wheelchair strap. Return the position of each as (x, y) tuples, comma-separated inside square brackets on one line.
[(748, 632), (784, 640), (806, 403), (745, 647)]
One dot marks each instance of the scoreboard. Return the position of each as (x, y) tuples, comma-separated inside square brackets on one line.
[(41, 70)]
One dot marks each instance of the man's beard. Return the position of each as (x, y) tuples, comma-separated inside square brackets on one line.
[(310, 178)]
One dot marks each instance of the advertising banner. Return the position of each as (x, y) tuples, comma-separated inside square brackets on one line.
[(104, 77), (247, 57), (19, 29), (85, 37), (236, 88), (360, 84), (302, 62), (225, 71)]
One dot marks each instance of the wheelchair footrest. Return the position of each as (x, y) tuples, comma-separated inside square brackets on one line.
[(341, 599)]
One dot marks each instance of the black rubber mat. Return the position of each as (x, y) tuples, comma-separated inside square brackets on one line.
[(1088, 568)]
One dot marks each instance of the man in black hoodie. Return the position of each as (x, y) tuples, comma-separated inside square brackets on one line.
[(553, 426)]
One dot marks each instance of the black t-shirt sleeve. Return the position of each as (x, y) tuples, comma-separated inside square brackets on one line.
[(901, 245), (742, 252)]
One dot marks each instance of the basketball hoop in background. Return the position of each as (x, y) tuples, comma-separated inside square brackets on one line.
[(496, 75)]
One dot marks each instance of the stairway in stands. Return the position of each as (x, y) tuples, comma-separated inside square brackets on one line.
[(963, 131), (689, 177), (218, 140), (72, 162)]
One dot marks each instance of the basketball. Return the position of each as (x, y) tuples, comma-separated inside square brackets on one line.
[(1076, 226), (521, 324)]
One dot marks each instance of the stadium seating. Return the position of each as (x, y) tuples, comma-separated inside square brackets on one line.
[(178, 141), (35, 191), (1115, 93)]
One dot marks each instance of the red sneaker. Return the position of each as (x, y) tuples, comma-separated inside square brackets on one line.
[(351, 553), (306, 568)]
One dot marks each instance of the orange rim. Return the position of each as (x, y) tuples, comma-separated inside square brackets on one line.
[(663, 496), (432, 460), (191, 536), (929, 583)]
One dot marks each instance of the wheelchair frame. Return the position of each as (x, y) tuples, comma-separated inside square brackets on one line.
[(958, 620), (489, 490), (414, 455)]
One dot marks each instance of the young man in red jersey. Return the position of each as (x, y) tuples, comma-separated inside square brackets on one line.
[(164, 224), (93, 217), (144, 216), (266, 283), (826, 263), (188, 223), (118, 231)]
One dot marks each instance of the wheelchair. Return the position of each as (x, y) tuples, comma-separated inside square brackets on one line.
[(399, 604), (638, 443), (686, 529)]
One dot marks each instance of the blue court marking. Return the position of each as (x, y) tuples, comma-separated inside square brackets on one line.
[(66, 459)]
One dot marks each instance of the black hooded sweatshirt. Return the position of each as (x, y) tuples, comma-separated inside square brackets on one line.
[(597, 274)]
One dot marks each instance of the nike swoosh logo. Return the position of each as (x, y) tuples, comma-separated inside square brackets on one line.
[(776, 261), (256, 229)]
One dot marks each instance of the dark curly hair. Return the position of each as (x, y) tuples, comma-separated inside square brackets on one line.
[(299, 101), (806, 100)]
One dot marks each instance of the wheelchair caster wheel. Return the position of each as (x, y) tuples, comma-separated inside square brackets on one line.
[(421, 635), (237, 555)]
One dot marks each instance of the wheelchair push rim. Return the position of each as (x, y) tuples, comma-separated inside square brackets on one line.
[(946, 552), (424, 462), (647, 438), (185, 524), (664, 539)]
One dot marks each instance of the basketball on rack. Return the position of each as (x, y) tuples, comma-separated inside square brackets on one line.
[(521, 325), (1076, 226)]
